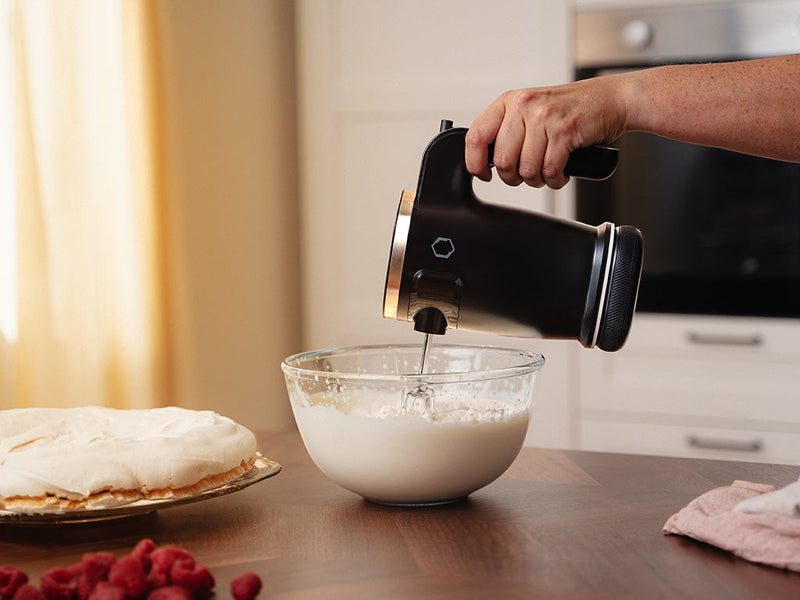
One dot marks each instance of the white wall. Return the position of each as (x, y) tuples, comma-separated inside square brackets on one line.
[(230, 173)]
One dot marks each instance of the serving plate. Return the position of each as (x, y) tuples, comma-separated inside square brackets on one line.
[(262, 469)]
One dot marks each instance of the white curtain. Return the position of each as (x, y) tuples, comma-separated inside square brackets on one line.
[(91, 302)]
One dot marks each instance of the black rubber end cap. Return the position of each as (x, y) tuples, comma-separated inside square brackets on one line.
[(626, 270)]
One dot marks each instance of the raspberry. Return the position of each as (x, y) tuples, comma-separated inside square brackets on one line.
[(107, 591), (85, 587), (161, 559), (246, 586), (97, 564), (128, 573), (170, 592), (142, 552), (157, 579), (28, 592), (94, 568), (11, 578), (195, 578), (59, 584)]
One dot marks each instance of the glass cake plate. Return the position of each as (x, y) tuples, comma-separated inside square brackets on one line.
[(262, 468)]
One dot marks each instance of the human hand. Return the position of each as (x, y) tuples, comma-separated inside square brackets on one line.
[(535, 129)]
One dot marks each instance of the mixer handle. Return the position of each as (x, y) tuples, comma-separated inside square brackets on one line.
[(593, 162)]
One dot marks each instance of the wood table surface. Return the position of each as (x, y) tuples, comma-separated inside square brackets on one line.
[(557, 524)]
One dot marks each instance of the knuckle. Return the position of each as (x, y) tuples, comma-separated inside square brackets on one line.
[(475, 137), (503, 161), (551, 174), (528, 172), (521, 100), (554, 177)]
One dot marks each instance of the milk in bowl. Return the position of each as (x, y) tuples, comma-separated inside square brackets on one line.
[(376, 426)]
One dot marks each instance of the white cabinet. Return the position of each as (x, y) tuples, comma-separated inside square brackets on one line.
[(696, 386), (375, 79)]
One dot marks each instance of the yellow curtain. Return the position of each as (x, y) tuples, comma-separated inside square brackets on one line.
[(91, 294)]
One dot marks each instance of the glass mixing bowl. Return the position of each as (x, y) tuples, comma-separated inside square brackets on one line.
[(378, 428)]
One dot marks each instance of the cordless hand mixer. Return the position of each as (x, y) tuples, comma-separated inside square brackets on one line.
[(461, 263)]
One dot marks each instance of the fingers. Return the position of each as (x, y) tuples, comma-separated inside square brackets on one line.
[(481, 133), (507, 148), (526, 155), (553, 163), (531, 157), (523, 152)]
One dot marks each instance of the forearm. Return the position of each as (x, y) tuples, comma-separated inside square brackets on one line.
[(749, 106)]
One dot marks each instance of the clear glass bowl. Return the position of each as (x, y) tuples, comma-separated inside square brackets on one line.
[(378, 428)]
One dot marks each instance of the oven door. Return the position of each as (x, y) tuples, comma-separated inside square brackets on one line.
[(721, 230)]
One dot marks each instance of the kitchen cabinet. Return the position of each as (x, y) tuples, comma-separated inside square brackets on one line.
[(696, 386)]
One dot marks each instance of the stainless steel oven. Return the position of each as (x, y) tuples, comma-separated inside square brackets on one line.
[(721, 230)]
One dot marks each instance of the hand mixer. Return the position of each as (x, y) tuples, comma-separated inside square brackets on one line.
[(461, 263)]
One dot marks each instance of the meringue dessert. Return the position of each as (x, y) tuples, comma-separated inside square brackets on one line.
[(66, 459)]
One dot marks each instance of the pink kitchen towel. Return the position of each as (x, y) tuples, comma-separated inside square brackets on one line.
[(767, 537)]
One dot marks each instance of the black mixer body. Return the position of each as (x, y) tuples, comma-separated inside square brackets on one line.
[(458, 262)]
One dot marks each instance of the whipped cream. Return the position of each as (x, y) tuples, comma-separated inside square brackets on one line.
[(360, 441), (76, 452)]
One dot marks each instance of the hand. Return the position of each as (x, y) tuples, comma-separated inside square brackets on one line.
[(535, 129)]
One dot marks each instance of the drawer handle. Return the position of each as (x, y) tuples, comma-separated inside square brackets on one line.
[(725, 339), (724, 444)]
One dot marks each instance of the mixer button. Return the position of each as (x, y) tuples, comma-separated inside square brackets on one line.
[(443, 247)]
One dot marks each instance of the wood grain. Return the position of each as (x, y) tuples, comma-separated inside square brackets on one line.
[(558, 524)]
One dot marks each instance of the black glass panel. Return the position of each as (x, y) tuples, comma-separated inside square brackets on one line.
[(721, 229)]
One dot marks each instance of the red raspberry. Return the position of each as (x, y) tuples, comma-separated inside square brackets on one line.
[(128, 573), (195, 578), (246, 586), (170, 592), (142, 552), (107, 591), (28, 592), (96, 565), (161, 559), (85, 587), (59, 584), (11, 579), (157, 579)]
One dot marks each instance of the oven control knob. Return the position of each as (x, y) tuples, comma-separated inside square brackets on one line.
[(637, 34)]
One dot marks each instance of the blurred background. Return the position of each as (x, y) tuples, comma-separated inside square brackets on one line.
[(192, 190), (202, 188), (150, 165)]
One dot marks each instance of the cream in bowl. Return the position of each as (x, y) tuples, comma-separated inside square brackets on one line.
[(378, 428)]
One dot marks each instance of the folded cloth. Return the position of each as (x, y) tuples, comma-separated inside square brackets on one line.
[(770, 538)]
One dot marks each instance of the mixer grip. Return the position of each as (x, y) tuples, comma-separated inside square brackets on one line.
[(593, 162)]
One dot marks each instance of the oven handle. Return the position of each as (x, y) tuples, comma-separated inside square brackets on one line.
[(725, 339)]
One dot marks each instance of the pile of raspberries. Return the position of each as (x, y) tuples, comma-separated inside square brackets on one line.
[(147, 573)]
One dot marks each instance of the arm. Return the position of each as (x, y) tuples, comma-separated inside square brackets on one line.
[(748, 106)]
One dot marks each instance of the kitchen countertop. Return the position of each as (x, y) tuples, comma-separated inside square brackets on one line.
[(558, 524)]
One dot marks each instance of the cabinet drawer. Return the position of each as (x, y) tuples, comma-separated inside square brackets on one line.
[(710, 336), (704, 388), (663, 370), (695, 442)]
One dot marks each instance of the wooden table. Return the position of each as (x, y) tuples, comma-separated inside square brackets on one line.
[(558, 524)]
